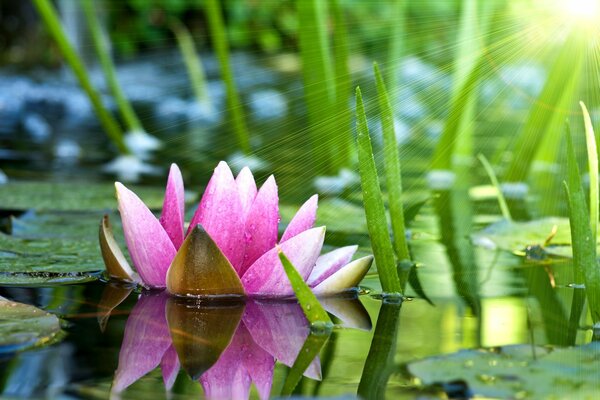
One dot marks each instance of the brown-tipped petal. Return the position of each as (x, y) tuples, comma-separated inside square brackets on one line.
[(200, 269), (201, 333), (116, 263), (348, 277), (350, 311)]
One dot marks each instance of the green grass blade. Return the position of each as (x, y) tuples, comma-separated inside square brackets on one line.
[(501, 200), (319, 81), (101, 46), (52, 22), (374, 208), (584, 249), (343, 81), (392, 169), (314, 312), (376, 371), (592, 153), (221, 45), (192, 60)]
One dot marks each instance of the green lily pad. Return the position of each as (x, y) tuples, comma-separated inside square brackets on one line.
[(517, 235), (516, 372), (51, 248), (81, 196), (23, 326)]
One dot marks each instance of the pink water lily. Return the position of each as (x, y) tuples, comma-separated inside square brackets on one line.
[(242, 221)]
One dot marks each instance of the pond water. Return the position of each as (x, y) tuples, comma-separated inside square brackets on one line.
[(474, 291)]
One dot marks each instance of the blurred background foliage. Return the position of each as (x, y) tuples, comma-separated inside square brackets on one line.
[(268, 26)]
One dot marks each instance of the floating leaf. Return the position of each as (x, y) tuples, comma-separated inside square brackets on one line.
[(69, 196), (517, 235), (519, 371), (23, 326), (200, 269), (201, 333)]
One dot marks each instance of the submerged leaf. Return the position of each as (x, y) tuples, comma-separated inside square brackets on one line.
[(201, 333), (201, 269), (23, 326)]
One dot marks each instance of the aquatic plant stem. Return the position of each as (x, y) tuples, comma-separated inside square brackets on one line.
[(374, 207), (221, 46), (192, 60), (501, 200), (584, 249), (319, 81), (52, 22), (102, 50), (342, 84), (392, 169)]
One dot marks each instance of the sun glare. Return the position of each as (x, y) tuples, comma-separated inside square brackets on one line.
[(587, 10)]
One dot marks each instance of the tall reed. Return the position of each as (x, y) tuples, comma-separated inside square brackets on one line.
[(377, 223), (102, 48), (221, 46), (52, 22)]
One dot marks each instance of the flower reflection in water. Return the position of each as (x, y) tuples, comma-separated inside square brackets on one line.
[(226, 347)]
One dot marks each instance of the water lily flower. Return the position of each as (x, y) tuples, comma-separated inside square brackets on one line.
[(231, 245), (225, 347)]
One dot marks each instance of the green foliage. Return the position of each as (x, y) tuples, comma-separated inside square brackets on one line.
[(392, 169), (516, 371), (374, 209), (541, 124), (501, 200), (52, 22), (23, 326), (319, 81), (584, 247), (102, 48), (191, 60), (221, 47), (314, 312)]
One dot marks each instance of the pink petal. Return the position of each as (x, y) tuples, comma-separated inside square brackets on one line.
[(344, 279), (267, 278), (170, 367), (261, 227), (149, 245), (145, 341), (220, 213), (303, 220), (329, 263), (280, 329), (246, 188), (242, 362), (173, 210)]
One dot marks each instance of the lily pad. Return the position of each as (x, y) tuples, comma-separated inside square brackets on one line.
[(23, 326), (519, 371), (51, 248), (82, 196), (517, 235)]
